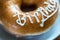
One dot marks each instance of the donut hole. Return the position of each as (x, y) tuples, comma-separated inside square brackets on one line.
[(28, 7)]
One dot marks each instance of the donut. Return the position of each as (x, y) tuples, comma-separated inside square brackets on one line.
[(28, 18)]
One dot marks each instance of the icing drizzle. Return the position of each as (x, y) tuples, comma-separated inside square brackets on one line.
[(52, 6)]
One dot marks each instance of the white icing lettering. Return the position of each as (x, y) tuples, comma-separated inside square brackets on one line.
[(35, 15), (27, 15), (52, 7)]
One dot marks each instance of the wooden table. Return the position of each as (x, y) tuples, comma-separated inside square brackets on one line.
[(58, 38)]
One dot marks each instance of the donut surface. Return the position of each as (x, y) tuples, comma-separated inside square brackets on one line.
[(23, 17)]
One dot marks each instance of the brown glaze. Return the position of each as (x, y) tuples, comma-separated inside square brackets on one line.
[(9, 22)]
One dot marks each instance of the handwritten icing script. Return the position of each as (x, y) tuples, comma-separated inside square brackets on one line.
[(52, 6)]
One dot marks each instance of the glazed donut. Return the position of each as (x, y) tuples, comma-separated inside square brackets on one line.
[(26, 18)]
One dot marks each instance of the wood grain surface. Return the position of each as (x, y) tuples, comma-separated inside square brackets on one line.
[(58, 38)]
